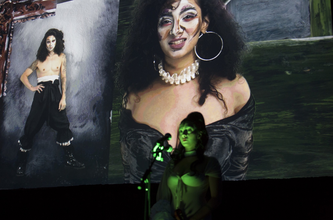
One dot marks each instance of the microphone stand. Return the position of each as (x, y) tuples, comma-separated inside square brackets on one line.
[(157, 152)]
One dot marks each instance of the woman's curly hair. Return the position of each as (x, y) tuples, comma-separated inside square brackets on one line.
[(136, 71), (59, 47)]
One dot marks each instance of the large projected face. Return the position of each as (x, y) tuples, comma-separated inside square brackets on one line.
[(50, 43), (158, 105), (178, 28)]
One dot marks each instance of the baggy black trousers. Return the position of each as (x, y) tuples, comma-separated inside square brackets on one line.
[(44, 108)]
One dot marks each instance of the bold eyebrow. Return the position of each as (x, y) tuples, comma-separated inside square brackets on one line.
[(166, 12), (187, 8)]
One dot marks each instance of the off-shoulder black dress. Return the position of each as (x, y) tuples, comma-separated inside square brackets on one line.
[(230, 142)]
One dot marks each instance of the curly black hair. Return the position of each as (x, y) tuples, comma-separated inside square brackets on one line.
[(196, 121), (59, 48), (141, 47)]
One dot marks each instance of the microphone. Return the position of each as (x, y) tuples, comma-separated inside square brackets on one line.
[(157, 150), (166, 137)]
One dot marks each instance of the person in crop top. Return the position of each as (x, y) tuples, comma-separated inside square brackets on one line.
[(188, 176), (49, 104)]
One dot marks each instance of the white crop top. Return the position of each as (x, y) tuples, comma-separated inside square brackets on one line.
[(48, 78)]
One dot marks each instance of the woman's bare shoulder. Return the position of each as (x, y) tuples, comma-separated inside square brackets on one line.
[(237, 89), (62, 56), (242, 86), (242, 92)]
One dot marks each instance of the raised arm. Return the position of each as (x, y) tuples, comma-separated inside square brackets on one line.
[(62, 103), (24, 78)]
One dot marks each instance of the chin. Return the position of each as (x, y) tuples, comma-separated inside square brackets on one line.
[(178, 55)]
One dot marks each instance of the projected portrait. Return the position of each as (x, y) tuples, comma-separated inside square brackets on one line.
[(49, 104), (179, 57), (57, 97)]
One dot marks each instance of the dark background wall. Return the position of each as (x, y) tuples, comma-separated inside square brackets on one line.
[(306, 198), (272, 20), (90, 33)]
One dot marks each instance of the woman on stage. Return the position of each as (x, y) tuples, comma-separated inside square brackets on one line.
[(182, 56), (188, 176)]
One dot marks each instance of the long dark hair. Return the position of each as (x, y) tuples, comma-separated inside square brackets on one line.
[(59, 47), (141, 47), (196, 121)]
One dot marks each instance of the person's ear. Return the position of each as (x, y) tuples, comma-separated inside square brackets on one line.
[(205, 24)]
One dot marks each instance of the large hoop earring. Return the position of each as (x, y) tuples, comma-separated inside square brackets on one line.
[(209, 59)]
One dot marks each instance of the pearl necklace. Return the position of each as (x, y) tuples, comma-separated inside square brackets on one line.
[(185, 75)]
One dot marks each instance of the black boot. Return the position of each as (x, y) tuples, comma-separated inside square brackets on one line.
[(70, 160), (21, 162)]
